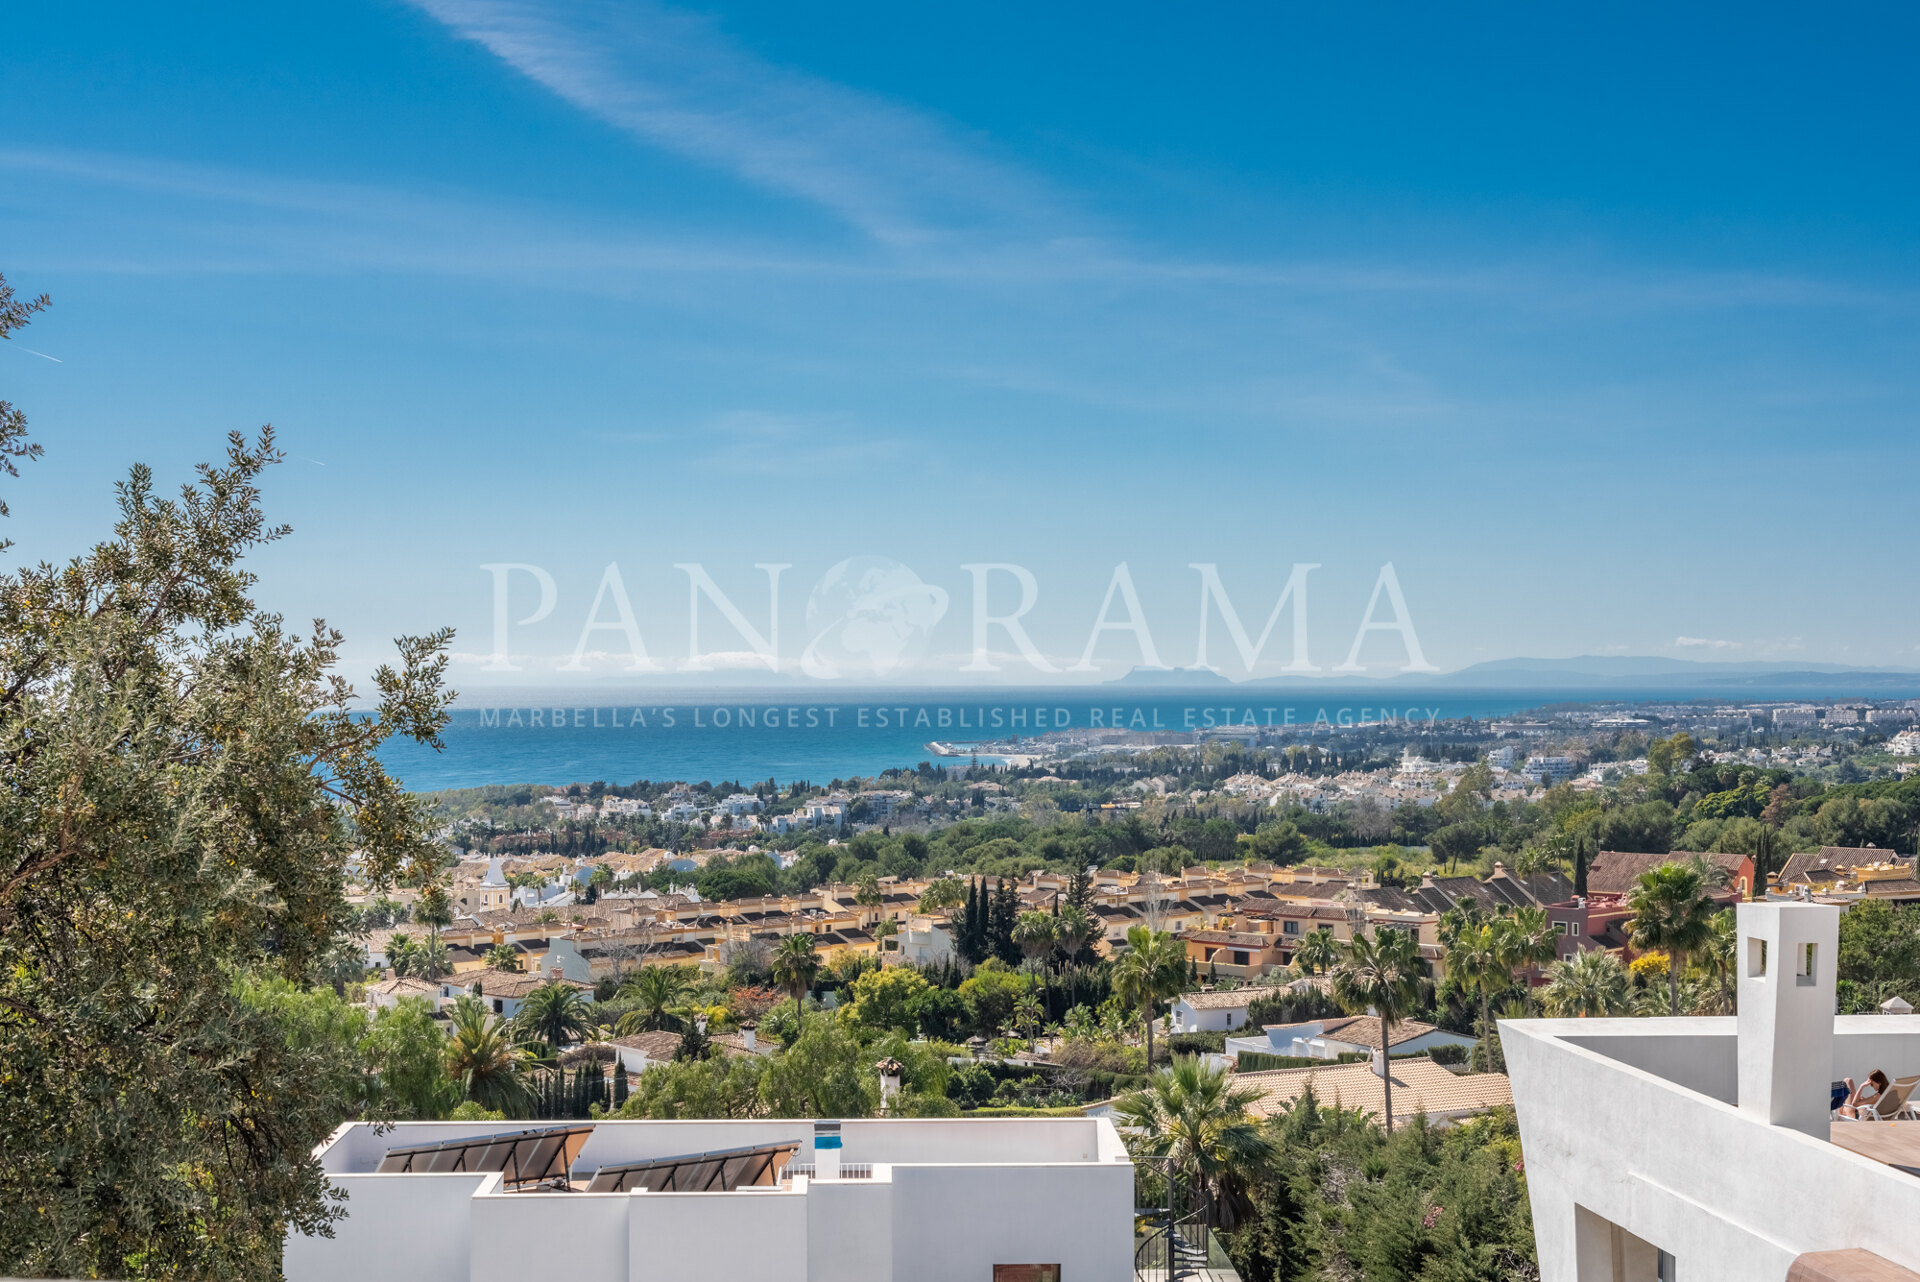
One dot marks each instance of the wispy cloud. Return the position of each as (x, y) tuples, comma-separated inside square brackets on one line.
[(1705, 643), (673, 79)]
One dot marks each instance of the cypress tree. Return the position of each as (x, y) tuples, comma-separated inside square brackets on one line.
[(973, 928), (1005, 912), (619, 1082)]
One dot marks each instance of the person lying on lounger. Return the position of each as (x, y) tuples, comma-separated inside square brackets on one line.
[(1871, 1091)]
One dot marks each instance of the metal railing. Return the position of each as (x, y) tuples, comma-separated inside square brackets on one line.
[(1172, 1239), (848, 1170)]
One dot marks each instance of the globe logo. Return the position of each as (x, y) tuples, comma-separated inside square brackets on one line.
[(869, 616)]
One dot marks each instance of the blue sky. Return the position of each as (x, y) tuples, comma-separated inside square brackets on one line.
[(1600, 328)]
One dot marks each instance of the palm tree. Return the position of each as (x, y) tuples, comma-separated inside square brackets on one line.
[(795, 966), (1153, 968), (1318, 951), (555, 1014), (1590, 984), (943, 896), (1035, 932), (657, 990), (884, 929), (1028, 1014), (1476, 961), (426, 959), (483, 1057), (1528, 938), (433, 911), (503, 957), (1673, 913), (1381, 975), (867, 894), (1196, 1120), (1464, 915), (1718, 955), (1074, 930), (402, 953)]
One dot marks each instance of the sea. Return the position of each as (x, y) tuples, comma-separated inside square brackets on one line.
[(722, 735)]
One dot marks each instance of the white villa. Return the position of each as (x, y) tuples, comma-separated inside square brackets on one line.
[(1347, 1035), (1212, 1012), (1704, 1148), (971, 1200)]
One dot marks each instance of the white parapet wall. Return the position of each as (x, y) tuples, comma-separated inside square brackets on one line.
[(936, 1199), (1640, 1156)]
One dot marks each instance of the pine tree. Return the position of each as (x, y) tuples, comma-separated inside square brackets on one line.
[(1080, 890)]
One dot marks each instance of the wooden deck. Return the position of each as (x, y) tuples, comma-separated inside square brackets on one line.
[(1895, 1143)]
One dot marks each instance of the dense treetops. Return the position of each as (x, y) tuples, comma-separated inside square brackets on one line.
[(183, 783)]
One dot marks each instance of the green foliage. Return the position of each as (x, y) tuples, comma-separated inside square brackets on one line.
[(1196, 1043), (825, 1073), (405, 1055), (796, 964), (185, 779), (1282, 1006), (1383, 975), (654, 992), (1879, 956), (1341, 1199), (1151, 970), (1672, 913), (697, 1088), (887, 999), (485, 1057), (1195, 1118), (553, 1013), (1592, 983), (991, 994)]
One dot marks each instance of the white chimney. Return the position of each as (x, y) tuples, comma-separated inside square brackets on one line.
[(1786, 957), (826, 1150), (746, 1035)]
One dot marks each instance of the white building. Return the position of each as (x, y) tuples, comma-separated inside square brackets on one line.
[(741, 803), (825, 814), (1213, 1012), (1548, 769), (1346, 1035), (971, 1200), (1702, 1148), (504, 992)]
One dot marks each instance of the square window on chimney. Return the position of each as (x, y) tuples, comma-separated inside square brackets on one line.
[(1756, 959), (1804, 972)]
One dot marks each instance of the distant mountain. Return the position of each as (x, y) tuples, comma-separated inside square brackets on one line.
[(1596, 673), (1648, 672)]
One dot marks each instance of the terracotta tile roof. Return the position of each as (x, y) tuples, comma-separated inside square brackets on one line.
[(1615, 871), (403, 986), (1233, 1000), (1233, 939), (1419, 1086), (505, 983), (658, 1045), (1364, 1030), (734, 1045), (1830, 862)]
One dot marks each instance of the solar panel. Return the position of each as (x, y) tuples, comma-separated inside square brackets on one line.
[(525, 1157), (719, 1171)]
